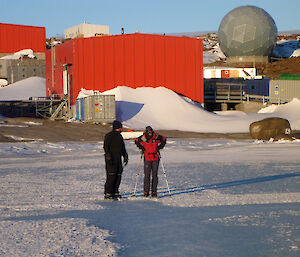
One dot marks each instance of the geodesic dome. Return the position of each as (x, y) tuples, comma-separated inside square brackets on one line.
[(247, 31)]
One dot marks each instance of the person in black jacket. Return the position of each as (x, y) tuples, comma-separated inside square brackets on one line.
[(114, 149)]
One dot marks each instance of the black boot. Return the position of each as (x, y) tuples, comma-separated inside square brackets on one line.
[(118, 196), (108, 196), (154, 194)]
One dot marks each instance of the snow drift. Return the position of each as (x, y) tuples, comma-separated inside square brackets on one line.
[(24, 89), (164, 109)]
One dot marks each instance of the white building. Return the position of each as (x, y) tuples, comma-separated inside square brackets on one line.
[(86, 30), (228, 72)]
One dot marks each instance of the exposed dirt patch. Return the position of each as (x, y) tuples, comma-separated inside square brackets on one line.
[(51, 131), (14, 129), (29, 129)]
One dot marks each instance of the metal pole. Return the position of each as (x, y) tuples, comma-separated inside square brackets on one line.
[(52, 61), (69, 96), (164, 171), (138, 173)]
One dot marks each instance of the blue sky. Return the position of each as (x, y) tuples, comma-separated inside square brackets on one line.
[(152, 16)]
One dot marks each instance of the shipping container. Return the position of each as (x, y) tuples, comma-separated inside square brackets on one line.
[(133, 60), (284, 90), (96, 108), (80, 109), (18, 37)]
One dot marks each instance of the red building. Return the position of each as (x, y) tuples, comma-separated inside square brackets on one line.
[(133, 60), (18, 37)]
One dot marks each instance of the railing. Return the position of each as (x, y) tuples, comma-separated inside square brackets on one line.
[(266, 99), (224, 95), (237, 96)]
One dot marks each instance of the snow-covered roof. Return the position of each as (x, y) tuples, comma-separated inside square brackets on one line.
[(18, 55)]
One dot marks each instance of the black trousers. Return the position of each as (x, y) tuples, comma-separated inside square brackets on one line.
[(113, 177), (150, 167)]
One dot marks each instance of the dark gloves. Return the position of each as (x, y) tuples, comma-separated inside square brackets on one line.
[(125, 160), (160, 147), (142, 148), (108, 158)]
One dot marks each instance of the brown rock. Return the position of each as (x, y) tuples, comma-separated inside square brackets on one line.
[(276, 128)]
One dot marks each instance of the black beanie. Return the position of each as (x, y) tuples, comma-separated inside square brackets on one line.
[(117, 124), (148, 128)]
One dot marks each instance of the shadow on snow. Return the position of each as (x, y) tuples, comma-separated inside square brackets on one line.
[(164, 192), (149, 228)]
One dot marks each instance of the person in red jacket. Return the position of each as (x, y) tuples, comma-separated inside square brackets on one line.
[(150, 143)]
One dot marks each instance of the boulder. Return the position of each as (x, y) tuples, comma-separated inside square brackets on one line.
[(276, 128)]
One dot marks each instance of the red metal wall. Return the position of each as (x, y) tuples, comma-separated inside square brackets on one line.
[(62, 54), (14, 38), (133, 60)]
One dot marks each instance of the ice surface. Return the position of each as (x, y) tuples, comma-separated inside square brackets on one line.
[(229, 197)]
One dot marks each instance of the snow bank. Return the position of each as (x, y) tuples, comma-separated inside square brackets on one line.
[(209, 57), (3, 82), (24, 89), (130, 135), (85, 93), (289, 111), (164, 109)]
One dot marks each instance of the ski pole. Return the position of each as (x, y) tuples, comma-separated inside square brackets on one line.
[(164, 171), (138, 174)]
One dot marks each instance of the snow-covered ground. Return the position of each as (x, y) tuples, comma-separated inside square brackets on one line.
[(230, 198)]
